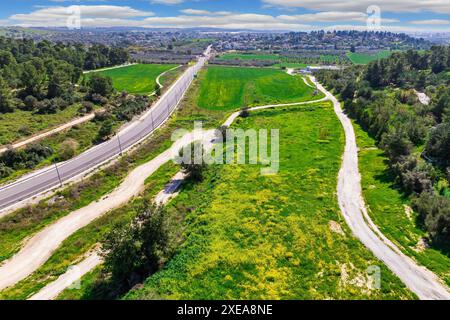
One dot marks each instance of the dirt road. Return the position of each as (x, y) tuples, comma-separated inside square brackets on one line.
[(418, 279)]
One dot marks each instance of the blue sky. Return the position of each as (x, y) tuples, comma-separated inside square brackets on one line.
[(297, 15)]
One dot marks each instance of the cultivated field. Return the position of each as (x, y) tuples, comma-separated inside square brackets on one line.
[(137, 79), (228, 88)]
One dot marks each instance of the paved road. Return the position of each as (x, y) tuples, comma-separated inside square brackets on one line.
[(418, 279), (45, 180)]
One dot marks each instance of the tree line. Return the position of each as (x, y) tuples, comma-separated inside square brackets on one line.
[(382, 96), (43, 76)]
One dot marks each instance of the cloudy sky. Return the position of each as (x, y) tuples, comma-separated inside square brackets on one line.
[(297, 15)]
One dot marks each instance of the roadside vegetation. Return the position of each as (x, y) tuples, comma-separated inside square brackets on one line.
[(75, 247), (95, 94)]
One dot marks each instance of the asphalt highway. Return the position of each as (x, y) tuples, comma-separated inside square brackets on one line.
[(51, 177)]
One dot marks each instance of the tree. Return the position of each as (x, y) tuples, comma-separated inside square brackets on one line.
[(396, 144), (438, 59), (6, 58), (30, 103), (438, 146), (68, 149), (106, 130), (58, 84), (192, 164), (101, 85), (434, 214), (5, 171), (441, 102), (6, 100), (134, 251), (348, 92), (245, 112), (157, 90), (33, 79)]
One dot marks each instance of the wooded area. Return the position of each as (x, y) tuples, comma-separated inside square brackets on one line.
[(416, 137)]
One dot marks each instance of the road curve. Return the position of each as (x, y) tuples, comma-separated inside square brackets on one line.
[(418, 279), (30, 186)]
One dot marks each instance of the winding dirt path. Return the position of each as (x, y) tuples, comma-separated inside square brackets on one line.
[(39, 248), (418, 279), (93, 259), (110, 68)]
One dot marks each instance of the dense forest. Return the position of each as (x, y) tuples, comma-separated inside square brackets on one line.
[(415, 135), (43, 76)]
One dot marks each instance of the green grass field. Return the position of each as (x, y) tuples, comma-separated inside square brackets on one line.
[(228, 88), (269, 237), (363, 58), (389, 208), (137, 79)]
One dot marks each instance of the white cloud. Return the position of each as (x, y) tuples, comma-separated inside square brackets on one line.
[(227, 21), (168, 2), (332, 16), (90, 16), (431, 22), (111, 16), (195, 12), (439, 6), (204, 12)]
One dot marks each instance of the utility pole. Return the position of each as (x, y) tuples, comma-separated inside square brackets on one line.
[(168, 109), (153, 123), (59, 176), (120, 145)]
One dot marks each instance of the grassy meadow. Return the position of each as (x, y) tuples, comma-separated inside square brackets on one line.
[(20, 124), (137, 79), (229, 88), (250, 236)]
